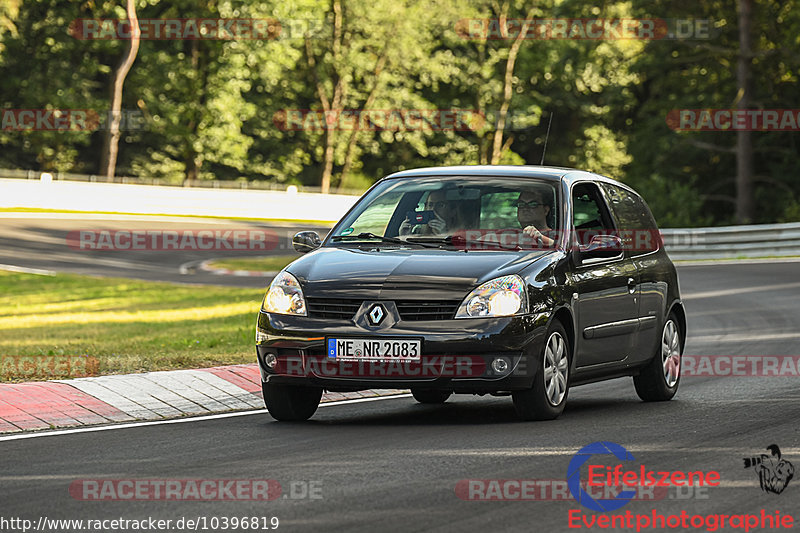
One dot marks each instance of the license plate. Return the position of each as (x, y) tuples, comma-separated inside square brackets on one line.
[(375, 349)]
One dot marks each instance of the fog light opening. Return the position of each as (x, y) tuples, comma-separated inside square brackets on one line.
[(500, 365), (271, 360)]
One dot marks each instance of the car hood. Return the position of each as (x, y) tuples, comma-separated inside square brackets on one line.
[(402, 273)]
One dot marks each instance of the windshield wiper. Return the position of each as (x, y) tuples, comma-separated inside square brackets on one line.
[(465, 243), (337, 238), (437, 240)]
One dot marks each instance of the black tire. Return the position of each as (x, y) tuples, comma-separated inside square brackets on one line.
[(537, 403), (289, 403), (659, 380), (430, 396)]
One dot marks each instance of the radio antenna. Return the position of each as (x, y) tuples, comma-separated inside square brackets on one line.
[(546, 137)]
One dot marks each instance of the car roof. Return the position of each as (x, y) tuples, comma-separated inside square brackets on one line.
[(522, 171)]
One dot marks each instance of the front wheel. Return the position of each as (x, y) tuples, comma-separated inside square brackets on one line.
[(659, 380), (290, 402), (546, 399)]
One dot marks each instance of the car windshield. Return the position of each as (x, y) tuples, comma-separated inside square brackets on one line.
[(440, 208)]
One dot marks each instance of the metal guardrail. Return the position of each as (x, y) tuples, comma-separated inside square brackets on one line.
[(729, 242), (242, 184)]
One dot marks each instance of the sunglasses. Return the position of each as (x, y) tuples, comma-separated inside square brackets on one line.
[(530, 205)]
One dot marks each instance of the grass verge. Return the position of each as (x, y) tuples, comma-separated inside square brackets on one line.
[(125, 325), (262, 264)]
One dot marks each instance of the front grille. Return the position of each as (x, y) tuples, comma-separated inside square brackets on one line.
[(411, 310), (335, 308), (427, 309)]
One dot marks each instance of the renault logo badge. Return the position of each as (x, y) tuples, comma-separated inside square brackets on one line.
[(376, 314)]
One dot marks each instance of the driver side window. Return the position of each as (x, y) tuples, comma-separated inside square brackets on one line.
[(590, 215), (589, 210)]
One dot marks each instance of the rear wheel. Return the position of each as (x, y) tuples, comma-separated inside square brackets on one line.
[(290, 402), (430, 396), (546, 399), (659, 380)]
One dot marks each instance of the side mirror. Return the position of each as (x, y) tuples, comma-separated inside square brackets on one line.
[(305, 241), (602, 247)]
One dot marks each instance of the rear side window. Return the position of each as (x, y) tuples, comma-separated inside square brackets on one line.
[(630, 209), (635, 219)]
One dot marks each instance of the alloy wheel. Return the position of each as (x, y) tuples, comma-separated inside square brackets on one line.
[(555, 368)]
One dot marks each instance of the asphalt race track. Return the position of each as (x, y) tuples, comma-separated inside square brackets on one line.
[(52, 242), (393, 465)]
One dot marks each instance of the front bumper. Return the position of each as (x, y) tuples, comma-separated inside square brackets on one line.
[(456, 355)]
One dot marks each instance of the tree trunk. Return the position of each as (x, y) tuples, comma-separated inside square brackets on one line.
[(349, 155), (193, 161), (108, 163), (327, 169), (745, 205), (497, 144), (331, 108)]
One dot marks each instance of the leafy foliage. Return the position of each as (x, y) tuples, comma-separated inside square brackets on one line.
[(212, 108)]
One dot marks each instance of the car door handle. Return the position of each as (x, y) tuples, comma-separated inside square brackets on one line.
[(631, 285)]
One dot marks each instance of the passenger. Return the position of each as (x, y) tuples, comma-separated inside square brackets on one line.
[(445, 220), (533, 210)]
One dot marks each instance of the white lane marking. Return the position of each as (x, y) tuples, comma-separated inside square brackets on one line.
[(738, 338), (525, 452), (78, 260), (739, 290), (59, 432), (723, 262), (25, 270)]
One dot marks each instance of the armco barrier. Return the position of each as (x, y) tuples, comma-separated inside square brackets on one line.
[(762, 240), (149, 199)]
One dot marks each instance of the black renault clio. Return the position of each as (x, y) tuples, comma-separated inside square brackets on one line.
[(521, 281)]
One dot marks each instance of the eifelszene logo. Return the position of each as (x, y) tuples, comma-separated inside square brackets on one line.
[(774, 473), (574, 476), (600, 475)]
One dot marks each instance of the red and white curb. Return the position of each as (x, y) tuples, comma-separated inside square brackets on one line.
[(206, 267), (149, 396)]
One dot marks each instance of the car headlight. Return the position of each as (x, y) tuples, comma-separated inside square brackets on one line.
[(502, 296), (284, 296)]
